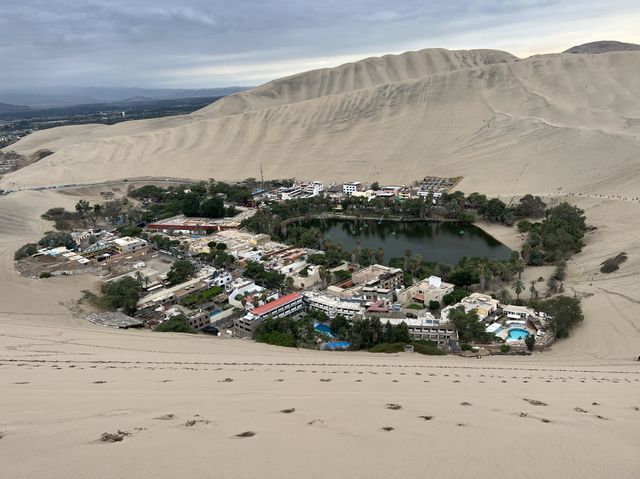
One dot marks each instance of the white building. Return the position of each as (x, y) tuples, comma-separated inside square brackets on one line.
[(284, 306), (517, 312), (241, 287), (331, 305), (482, 304), (128, 244), (314, 188), (220, 278), (430, 289), (291, 192), (350, 188), (426, 327)]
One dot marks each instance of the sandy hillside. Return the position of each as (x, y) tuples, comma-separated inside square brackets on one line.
[(481, 114), (566, 126)]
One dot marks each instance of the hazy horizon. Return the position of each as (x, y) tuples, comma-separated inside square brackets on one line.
[(204, 44)]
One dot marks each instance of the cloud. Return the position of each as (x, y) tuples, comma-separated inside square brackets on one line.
[(206, 43)]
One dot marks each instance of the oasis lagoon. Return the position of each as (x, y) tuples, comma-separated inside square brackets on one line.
[(444, 242)]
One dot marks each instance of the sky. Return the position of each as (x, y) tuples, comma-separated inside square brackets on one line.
[(214, 43)]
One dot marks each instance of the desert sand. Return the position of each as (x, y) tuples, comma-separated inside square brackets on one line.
[(559, 125)]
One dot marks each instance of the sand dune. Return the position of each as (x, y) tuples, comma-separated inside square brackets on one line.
[(563, 126), (513, 119)]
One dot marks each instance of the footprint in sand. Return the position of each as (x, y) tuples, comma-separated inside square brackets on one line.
[(22, 382), (388, 428), (114, 436), (288, 411), (394, 407), (245, 434), (316, 421), (325, 380), (194, 421), (99, 382), (465, 403), (535, 402), (579, 409), (166, 417), (426, 418)]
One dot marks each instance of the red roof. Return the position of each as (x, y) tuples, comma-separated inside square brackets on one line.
[(266, 308)]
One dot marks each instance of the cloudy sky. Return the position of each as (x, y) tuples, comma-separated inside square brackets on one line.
[(209, 43)]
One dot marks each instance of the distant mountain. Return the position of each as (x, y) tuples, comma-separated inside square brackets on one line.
[(603, 47), (8, 108), (69, 96)]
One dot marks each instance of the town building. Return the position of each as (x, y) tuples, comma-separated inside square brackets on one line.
[(482, 304), (352, 187), (284, 306), (291, 192), (314, 188), (331, 305), (128, 245), (428, 328), (241, 287), (426, 290)]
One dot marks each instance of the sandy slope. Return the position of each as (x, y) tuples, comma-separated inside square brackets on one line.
[(565, 126), (515, 120), (63, 388)]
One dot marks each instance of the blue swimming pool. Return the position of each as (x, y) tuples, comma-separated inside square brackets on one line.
[(517, 334), (323, 329), (337, 345)]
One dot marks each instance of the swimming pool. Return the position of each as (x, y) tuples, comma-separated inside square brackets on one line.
[(333, 345), (517, 334), (324, 329)]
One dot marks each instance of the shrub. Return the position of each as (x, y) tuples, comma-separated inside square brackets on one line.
[(433, 305), (176, 324), (45, 274), (53, 240), (454, 297), (524, 226), (387, 348), (466, 347), (28, 249), (613, 264), (505, 348), (428, 348)]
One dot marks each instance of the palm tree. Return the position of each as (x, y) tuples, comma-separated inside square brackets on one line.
[(324, 276), (503, 296), (289, 283), (518, 287), (482, 277), (380, 256), (533, 290)]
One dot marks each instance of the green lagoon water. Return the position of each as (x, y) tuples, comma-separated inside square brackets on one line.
[(445, 242)]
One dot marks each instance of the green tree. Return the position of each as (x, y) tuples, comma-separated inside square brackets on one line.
[(518, 288), (530, 341), (123, 293), (503, 296), (213, 208), (180, 271), (469, 327), (565, 313), (191, 205)]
